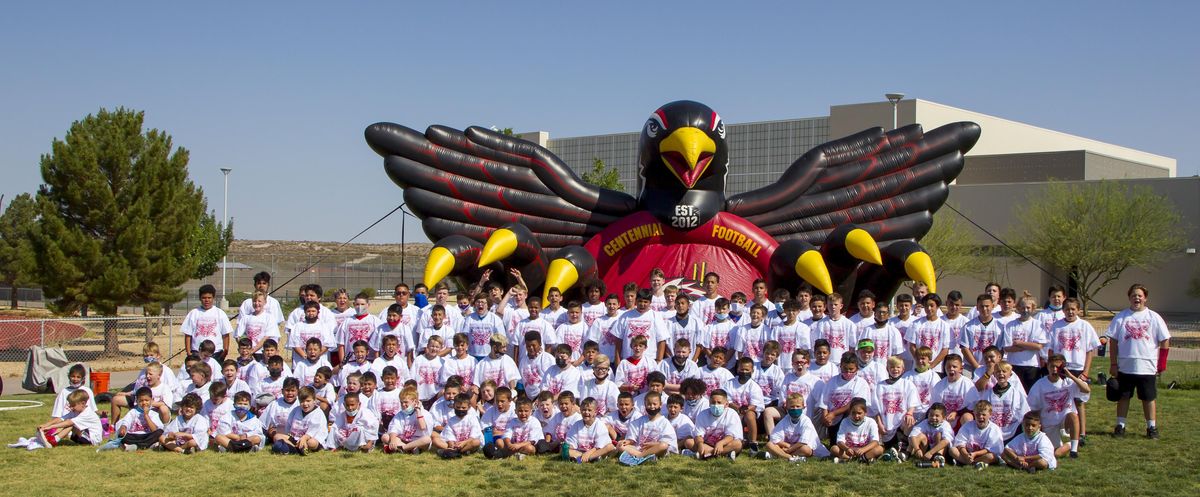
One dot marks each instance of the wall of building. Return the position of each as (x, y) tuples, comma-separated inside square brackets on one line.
[(1023, 168), (992, 206)]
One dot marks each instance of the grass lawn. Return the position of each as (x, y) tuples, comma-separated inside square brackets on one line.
[(1130, 466)]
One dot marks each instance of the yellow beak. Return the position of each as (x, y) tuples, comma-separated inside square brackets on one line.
[(561, 274), (695, 149), (862, 247), (919, 267), (501, 244), (811, 267), (440, 263)]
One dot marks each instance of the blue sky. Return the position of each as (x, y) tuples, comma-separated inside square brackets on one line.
[(281, 91)]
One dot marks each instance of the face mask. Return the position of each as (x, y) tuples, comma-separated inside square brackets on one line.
[(241, 412), (679, 361), (736, 307), (361, 310), (716, 410), (561, 363), (653, 412), (744, 377), (692, 402), (848, 376), (722, 316), (462, 413), (149, 360), (393, 324), (351, 414), (795, 413), (463, 307), (410, 410), (779, 307), (857, 423), (1055, 307)]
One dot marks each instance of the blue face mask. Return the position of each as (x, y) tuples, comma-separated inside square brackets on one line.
[(795, 413), (241, 411), (716, 410), (149, 360), (410, 410), (779, 307), (1054, 307), (722, 316)]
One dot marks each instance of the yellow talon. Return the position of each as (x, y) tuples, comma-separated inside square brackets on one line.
[(501, 244), (919, 267), (860, 245), (440, 263), (811, 267), (561, 275)]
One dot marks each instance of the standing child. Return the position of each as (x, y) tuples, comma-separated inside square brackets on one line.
[(837, 393), (426, 368), (895, 404), (981, 332), (360, 326), (835, 328), (1023, 342), (260, 323), (1077, 341), (879, 329), (188, 432), (573, 332), (1140, 343), (923, 379), (718, 333), (859, 438), (601, 330), (931, 331), (206, 323), (1053, 397), (790, 333), (305, 369)]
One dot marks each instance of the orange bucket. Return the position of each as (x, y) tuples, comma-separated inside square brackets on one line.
[(99, 382)]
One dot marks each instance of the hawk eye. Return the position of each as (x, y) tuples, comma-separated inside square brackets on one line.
[(652, 128)]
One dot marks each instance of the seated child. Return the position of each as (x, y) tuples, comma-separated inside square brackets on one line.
[(462, 434), (79, 423), (979, 443), (746, 396), (588, 439), (1031, 450), (837, 393), (326, 394), (127, 398), (650, 437), (411, 428), (618, 422), (76, 375), (685, 429), (306, 427), (560, 423), (794, 437), (354, 428), (858, 435), (140, 428), (162, 395), (496, 416), (1009, 402), (718, 428), (188, 432), (930, 439), (245, 429), (276, 414), (201, 376), (521, 436), (217, 409)]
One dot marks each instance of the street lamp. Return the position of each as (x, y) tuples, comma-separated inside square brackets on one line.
[(894, 98), (225, 260), (403, 239)]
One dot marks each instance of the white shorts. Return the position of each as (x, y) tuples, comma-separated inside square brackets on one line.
[(1054, 433)]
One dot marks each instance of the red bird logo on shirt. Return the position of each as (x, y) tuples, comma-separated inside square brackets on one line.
[(1137, 330)]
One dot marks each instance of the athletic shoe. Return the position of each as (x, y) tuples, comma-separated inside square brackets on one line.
[(34, 445), (46, 441), (1082, 440), (689, 453), (520, 456), (1119, 431), (837, 460), (766, 455), (797, 459), (1031, 470), (752, 446), (21, 443), (891, 455), (733, 456), (1074, 454), (863, 459), (449, 454), (940, 460), (130, 448), (903, 456), (111, 444), (980, 466), (628, 459), (1152, 433)]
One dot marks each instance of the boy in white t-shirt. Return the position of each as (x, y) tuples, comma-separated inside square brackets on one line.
[(931, 331), (858, 436), (795, 438), (718, 428), (411, 429), (632, 372), (426, 368), (588, 439), (1077, 341), (354, 429), (650, 437), (521, 435), (1139, 342), (141, 426), (245, 429), (188, 432), (1053, 397), (258, 323), (895, 403), (1024, 340), (978, 443), (206, 323), (930, 440), (79, 423), (362, 325), (306, 428), (462, 434), (1031, 450)]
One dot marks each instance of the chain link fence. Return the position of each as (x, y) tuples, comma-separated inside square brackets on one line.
[(106, 344)]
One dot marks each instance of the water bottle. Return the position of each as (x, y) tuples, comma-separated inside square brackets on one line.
[(488, 438), (564, 451), (1103, 347), (924, 464), (106, 428)]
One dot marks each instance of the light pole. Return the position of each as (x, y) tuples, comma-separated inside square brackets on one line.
[(403, 240), (225, 260), (894, 98)]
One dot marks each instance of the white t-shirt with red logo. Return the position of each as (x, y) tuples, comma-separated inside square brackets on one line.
[(210, 324), (1137, 335), (1074, 340)]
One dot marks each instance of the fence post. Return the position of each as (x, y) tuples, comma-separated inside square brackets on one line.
[(170, 354), (43, 332)]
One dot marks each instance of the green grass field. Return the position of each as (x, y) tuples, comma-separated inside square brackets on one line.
[(1130, 466)]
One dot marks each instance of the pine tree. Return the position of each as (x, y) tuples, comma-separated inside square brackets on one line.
[(118, 216), (16, 254)]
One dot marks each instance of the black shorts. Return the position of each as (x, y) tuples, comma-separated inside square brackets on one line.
[(1143, 383)]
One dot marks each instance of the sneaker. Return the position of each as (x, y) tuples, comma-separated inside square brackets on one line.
[(21, 443), (1082, 440), (112, 444), (520, 456), (1031, 470), (733, 456), (1152, 433), (650, 458), (891, 455), (130, 448), (837, 460), (940, 461), (689, 453), (1119, 431), (797, 459), (628, 459), (903, 456), (752, 446), (980, 466), (863, 459), (34, 445), (449, 454), (302, 450), (766, 455), (1074, 454)]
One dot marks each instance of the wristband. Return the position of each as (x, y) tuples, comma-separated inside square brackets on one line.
[(1162, 360)]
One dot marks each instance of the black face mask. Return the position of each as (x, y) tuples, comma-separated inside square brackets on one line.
[(561, 363), (744, 377), (653, 412), (462, 413)]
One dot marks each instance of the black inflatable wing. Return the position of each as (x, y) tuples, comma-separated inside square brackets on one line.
[(471, 183), (889, 183)]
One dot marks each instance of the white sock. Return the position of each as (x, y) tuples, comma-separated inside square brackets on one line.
[(1120, 421), (1074, 445), (1150, 424)]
